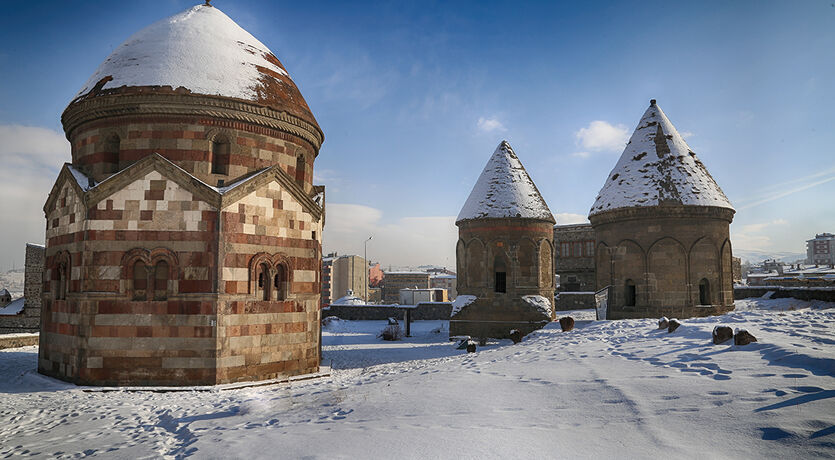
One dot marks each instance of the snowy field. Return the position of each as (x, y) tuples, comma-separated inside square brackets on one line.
[(608, 389)]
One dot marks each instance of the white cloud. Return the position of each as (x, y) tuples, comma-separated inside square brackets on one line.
[(567, 218), (581, 154), (752, 237), (405, 241), (686, 134), (489, 125), (31, 157), (601, 136)]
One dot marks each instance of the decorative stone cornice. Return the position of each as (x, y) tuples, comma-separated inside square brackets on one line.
[(656, 212), (148, 103)]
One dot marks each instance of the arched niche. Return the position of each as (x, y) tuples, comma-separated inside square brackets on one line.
[(603, 265), (476, 264), (527, 262), (704, 265), (546, 264), (667, 273), (629, 264)]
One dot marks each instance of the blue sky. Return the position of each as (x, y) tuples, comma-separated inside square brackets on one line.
[(413, 98)]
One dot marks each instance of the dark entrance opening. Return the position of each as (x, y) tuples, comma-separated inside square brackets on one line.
[(501, 275), (704, 292), (629, 294)]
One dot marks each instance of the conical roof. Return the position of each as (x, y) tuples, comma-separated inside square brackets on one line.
[(658, 168), (202, 50), (505, 189)]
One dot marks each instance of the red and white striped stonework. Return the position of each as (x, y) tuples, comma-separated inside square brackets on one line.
[(183, 242), (207, 320)]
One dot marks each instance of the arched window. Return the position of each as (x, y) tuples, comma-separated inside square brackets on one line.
[(110, 160), (60, 287), (161, 273), (629, 294), (300, 165), (704, 292), (264, 281), (501, 275), (280, 282), (220, 155), (140, 281)]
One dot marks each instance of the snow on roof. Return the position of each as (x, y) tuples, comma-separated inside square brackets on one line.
[(14, 308), (505, 189), (83, 181), (460, 302), (4, 291), (200, 49), (348, 300), (540, 303), (657, 167)]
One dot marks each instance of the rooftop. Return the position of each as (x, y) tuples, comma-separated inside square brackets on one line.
[(658, 168), (505, 189)]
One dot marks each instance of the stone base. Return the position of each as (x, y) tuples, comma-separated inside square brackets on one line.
[(496, 317)]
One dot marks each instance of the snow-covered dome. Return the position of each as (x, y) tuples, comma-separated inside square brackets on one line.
[(658, 168), (204, 51), (505, 189)]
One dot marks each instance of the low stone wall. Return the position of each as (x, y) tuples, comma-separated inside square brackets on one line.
[(10, 324), (574, 300), (423, 311), (18, 340), (747, 292)]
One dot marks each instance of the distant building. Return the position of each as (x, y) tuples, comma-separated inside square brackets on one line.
[(5, 297), (821, 249), (795, 276), (393, 282), (375, 295), (375, 274), (341, 274), (350, 273), (574, 249), (327, 294), (410, 296), (445, 281)]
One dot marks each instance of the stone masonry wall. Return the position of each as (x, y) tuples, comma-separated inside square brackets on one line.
[(523, 250), (99, 333), (666, 253), (29, 319), (280, 336), (576, 271), (187, 141), (423, 311)]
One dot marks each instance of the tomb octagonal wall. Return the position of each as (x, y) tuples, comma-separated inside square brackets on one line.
[(666, 252), (522, 249)]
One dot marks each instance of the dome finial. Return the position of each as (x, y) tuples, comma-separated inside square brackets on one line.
[(208, 3), (652, 102)]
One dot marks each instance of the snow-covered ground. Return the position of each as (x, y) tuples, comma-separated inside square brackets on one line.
[(607, 389)]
